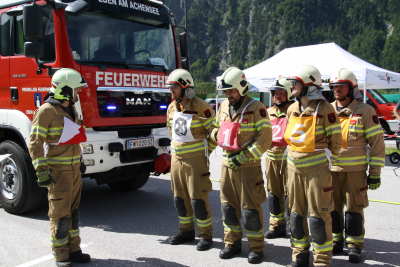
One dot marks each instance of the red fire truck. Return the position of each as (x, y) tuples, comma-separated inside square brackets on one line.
[(125, 49)]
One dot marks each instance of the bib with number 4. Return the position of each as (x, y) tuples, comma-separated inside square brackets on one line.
[(278, 131), (300, 133)]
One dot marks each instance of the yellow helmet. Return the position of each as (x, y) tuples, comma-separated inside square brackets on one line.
[(282, 84), (64, 83), (234, 78)]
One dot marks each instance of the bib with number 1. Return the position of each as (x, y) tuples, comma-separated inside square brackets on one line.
[(300, 133), (228, 133)]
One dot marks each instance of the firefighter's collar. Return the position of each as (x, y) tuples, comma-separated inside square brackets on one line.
[(312, 105), (274, 111), (61, 112), (186, 107), (246, 100), (347, 110)]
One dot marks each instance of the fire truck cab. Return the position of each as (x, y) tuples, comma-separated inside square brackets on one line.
[(125, 49)]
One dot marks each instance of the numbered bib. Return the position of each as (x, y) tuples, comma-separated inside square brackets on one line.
[(181, 131), (228, 135), (300, 133), (278, 131)]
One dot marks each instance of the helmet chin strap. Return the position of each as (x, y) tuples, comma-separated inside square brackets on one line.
[(303, 92), (281, 104), (179, 100)]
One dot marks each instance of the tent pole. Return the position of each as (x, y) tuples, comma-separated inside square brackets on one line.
[(270, 99), (365, 91)]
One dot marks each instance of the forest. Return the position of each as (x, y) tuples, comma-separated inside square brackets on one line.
[(242, 33)]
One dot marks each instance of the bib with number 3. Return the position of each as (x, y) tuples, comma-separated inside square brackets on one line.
[(300, 133), (278, 131)]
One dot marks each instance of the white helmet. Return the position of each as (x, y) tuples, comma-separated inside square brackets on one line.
[(63, 85), (307, 75), (183, 79), (180, 77), (310, 77), (283, 84), (234, 78), (346, 76)]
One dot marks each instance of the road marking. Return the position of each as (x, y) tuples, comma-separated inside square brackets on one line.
[(381, 201), (42, 259)]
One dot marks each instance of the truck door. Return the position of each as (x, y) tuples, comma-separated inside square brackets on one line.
[(5, 32), (32, 88)]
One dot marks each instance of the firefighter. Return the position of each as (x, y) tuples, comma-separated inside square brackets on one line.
[(362, 143), (275, 163), (189, 119), (314, 137), (243, 130), (56, 156)]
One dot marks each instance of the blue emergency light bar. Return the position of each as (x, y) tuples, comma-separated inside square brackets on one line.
[(111, 107), (163, 106)]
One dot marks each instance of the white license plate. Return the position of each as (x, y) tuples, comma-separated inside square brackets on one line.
[(138, 143)]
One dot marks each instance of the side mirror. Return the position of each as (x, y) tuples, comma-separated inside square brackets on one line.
[(185, 64), (33, 22), (77, 8), (184, 44), (16, 11), (33, 49)]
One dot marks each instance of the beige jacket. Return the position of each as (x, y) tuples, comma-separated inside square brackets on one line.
[(255, 128), (47, 127), (364, 130), (328, 134), (203, 117)]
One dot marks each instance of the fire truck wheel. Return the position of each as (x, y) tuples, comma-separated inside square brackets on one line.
[(137, 182), (19, 192)]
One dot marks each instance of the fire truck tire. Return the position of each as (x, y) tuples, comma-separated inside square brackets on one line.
[(137, 182), (385, 127), (19, 192)]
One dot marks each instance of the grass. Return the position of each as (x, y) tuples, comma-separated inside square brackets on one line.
[(390, 150)]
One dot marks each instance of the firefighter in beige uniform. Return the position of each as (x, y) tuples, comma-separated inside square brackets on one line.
[(56, 156), (362, 133), (189, 119), (243, 129), (275, 164), (314, 138)]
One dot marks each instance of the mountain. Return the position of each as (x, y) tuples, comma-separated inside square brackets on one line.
[(243, 33)]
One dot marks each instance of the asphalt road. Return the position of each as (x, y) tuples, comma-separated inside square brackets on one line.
[(132, 229)]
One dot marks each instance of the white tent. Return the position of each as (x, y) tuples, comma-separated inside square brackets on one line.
[(327, 58)]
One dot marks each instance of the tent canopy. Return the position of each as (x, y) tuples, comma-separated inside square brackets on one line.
[(327, 58)]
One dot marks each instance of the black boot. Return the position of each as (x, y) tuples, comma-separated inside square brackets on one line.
[(255, 257), (302, 260), (280, 230), (228, 253), (204, 244), (186, 236), (79, 257), (354, 255), (66, 263), (337, 247)]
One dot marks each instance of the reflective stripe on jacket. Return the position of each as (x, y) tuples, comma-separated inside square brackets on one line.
[(47, 126), (255, 130), (363, 131), (203, 117)]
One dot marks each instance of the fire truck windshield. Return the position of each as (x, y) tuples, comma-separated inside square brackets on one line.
[(121, 42)]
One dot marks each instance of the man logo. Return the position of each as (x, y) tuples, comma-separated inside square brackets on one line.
[(180, 127), (138, 101)]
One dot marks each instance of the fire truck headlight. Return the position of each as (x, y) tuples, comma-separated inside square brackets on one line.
[(89, 162), (87, 148)]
